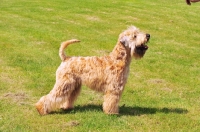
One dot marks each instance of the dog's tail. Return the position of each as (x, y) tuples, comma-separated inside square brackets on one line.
[(63, 46)]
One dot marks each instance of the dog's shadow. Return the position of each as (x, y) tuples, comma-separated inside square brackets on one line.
[(128, 110), (137, 111)]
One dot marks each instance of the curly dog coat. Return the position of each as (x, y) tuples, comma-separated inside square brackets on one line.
[(107, 74)]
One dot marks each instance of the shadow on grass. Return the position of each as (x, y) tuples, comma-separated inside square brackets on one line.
[(128, 110), (137, 111)]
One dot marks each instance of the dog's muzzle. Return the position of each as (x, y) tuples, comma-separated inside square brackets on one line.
[(143, 46), (141, 49)]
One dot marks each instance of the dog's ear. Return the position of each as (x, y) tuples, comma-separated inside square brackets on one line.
[(123, 40)]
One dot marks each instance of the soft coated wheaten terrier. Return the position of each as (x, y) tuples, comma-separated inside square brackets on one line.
[(107, 74)]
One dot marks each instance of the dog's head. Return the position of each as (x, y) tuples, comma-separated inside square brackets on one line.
[(134, 41)]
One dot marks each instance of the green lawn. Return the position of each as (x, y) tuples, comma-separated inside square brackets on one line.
[(163, 89)]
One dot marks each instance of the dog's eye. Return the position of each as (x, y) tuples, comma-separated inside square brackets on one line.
[(135, 36)]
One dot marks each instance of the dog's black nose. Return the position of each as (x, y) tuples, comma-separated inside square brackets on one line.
[(148, 36)]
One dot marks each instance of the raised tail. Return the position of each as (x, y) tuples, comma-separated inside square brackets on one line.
[(63, 46)]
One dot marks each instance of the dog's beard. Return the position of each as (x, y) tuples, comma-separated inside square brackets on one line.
[(132, 47), (141, 50), (137, 51)]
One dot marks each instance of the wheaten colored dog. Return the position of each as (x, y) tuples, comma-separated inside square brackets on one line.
[(107, 74)]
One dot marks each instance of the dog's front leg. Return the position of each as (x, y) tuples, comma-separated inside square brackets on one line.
[(111, 102)]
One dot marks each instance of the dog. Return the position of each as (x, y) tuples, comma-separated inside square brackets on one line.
[(106, 74), (189, 1)]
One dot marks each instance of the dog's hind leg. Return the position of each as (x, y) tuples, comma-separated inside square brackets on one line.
[(58, 96), (70, 98)]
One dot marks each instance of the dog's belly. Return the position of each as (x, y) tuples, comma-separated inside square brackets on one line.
[(94, 81)]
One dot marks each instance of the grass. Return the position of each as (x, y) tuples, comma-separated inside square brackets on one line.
[(162, 92)]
